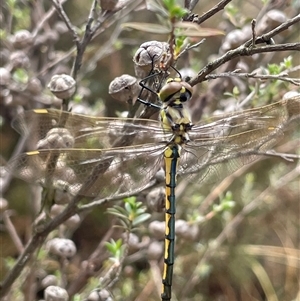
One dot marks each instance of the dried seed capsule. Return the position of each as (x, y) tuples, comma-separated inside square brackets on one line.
[(62, 197), (55, 293), (62, 247), (186, 230), (151, 55), (157, 229), (108, 4), (34, 86), (73, 221), (233, 39), (133, 241), (270, 20), (49, 280), (124, 88), (62, 86), (4, 77), (99, 295), (51, 36), (57, 138), (155, 250), (290, 94), (156, 199), (56, 210), (60, 27), (3, 204), (19, 59), (22, 39)]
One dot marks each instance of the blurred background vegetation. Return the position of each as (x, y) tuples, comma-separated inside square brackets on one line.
[(242, 240)]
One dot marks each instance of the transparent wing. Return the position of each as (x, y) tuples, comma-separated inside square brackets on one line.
[(47, 127), (78, 157), (233, 140), (95, 173)]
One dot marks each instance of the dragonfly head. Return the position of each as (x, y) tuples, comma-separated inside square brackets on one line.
[(175, 92)]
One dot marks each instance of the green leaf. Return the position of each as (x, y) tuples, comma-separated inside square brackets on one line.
[(114, 247), (141, 218), (287, 62), (109, 247), (147, 27), (129, 208), (157, 8), (117, 214), (194, 30), (175, 10), (3, 34), (20, 76)]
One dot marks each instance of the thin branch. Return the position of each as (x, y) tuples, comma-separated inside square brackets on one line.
[(51, 64), (36, 240), (247, 50), (240, 51), (58, 6), (281, 76), (93, 264), (12, 231), (189, 47), (218, 7), (190, 4), (265, 38), (44, 19), (236, 221), (93, 31), (284, 180), (253, 24), (40, 235)]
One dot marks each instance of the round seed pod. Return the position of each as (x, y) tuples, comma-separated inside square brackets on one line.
[(290, 94), (4, 77), (52, 36), (99, 295), (49, 280), (186, 230), (157, 229), (34, 86), (3, 204), (56, 210), (73, 221), (19, 59), (155, 250), (133, 241), (56, 138), (55, 293), (151, 55), (62, 197), (156, 199), (60, 27), (124, 88), (233, 39), (270, 20), (62, 86), (160, 176), (22, 39), (108, 4), (62, 247)]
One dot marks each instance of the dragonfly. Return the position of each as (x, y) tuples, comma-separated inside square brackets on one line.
[(101, 157)]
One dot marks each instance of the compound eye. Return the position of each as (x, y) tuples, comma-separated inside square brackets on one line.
[(185, 96), (188, 88)]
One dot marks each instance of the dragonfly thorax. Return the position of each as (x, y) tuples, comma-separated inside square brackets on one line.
[(174, 116), (177, 121)]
